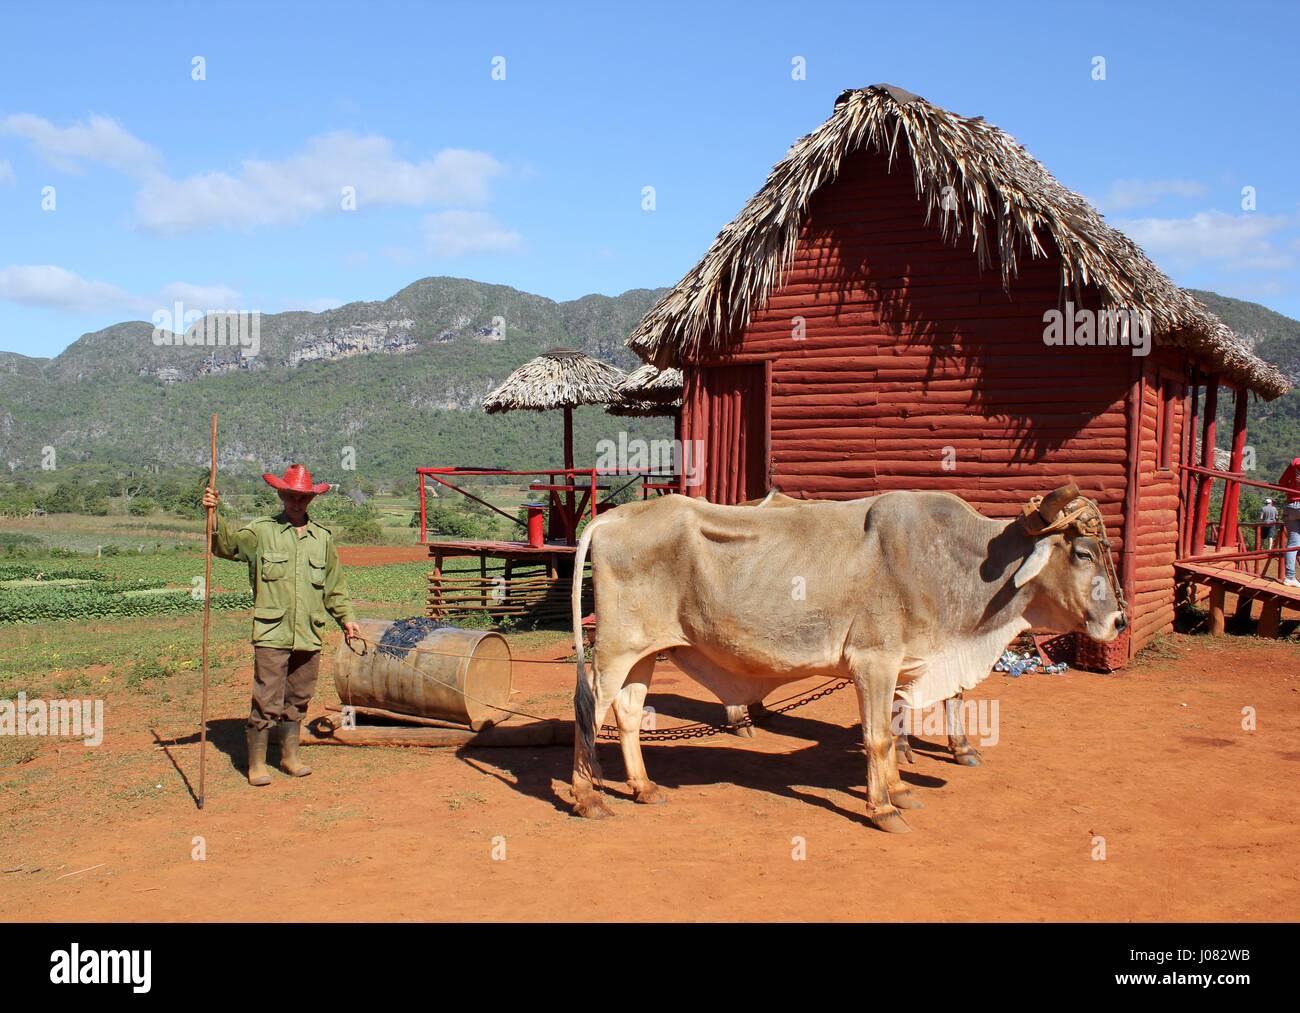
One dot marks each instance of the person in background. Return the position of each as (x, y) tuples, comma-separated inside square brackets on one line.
[(1268, 518), (1291, 518)]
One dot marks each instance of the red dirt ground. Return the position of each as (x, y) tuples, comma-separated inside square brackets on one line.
[(1199, 817), (378, 555)]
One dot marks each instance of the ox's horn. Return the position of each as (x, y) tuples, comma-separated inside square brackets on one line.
[(1055, 501)]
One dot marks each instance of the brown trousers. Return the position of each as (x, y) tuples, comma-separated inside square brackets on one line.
[(283, 684)]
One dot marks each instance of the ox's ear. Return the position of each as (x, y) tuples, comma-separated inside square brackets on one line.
[(1034, 562)]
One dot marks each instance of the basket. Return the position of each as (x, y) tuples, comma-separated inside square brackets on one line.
[(1056, 647), (1097, 657)]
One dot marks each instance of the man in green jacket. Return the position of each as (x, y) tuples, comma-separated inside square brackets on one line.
[(296, 577)]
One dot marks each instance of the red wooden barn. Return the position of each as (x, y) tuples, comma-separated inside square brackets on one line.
[(877, 317)]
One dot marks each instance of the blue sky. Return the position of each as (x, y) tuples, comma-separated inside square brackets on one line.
[(226, 192)]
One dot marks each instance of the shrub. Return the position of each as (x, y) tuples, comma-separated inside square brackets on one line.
[(359, 530), (141, 506), (65, 499), (450, 523)]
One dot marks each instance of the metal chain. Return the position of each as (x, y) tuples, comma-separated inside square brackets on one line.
[(704, 731)]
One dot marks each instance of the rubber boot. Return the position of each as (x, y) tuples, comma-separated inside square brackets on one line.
[(290, 763), (257, 739)]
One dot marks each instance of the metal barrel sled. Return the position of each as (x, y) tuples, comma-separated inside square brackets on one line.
[(426, 669)]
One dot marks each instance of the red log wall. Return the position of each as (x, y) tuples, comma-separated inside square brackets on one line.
[(917, 371)]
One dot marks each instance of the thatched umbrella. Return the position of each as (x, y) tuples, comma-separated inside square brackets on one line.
[(648, 390), (560, 378)]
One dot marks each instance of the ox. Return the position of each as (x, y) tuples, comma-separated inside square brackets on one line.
[(907, 592), (744, 717)]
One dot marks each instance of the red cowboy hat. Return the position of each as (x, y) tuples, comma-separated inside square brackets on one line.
[(296, 479)]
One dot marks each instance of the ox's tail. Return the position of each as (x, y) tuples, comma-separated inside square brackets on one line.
[(584, 695)]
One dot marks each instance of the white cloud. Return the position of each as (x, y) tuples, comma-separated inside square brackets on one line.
[(1131, 193), (456, 233), (7, 172), (101, 141), (1243, 241), (53, 287), (311, 182), (57, 288), (208, 298), (330, 172)]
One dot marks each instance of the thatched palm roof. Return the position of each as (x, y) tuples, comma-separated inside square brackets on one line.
[(648, 390), (644, 409), (650, 383), (1007, 204), (560, 378)]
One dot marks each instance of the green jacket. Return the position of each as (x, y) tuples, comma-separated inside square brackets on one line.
[(296, 579)]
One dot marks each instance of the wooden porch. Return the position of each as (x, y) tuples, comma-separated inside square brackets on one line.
[(1248, 588), (1216, 556)]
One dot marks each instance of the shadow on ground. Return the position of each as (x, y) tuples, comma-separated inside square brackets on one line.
[(833, 761)]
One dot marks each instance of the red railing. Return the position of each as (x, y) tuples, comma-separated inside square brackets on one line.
[(1196, 527), (566, 505)]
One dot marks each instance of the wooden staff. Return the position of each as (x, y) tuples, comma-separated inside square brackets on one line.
[(207, 613)]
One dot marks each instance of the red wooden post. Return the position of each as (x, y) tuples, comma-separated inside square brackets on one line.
[(691, 430), (768, 465), (436, 610), (1216, 609), (1187, 507), (569, 477), (1207, 461), (1270, 618), (685, 457), (422, 524), (1232, 491)]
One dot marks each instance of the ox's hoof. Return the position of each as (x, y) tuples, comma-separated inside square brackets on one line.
[(905, 799), (650, 795), (738, 719), (890, 821), (593, 808), (903, 749), (970, 758)]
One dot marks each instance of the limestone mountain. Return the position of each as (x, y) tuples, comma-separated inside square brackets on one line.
[(398, 380)]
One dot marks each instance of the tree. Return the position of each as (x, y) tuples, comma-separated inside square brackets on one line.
[(65, 499), (17, 501), (141, 506)]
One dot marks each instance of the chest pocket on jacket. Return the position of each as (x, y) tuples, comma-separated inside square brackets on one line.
[(316, 568), (275, 565)]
